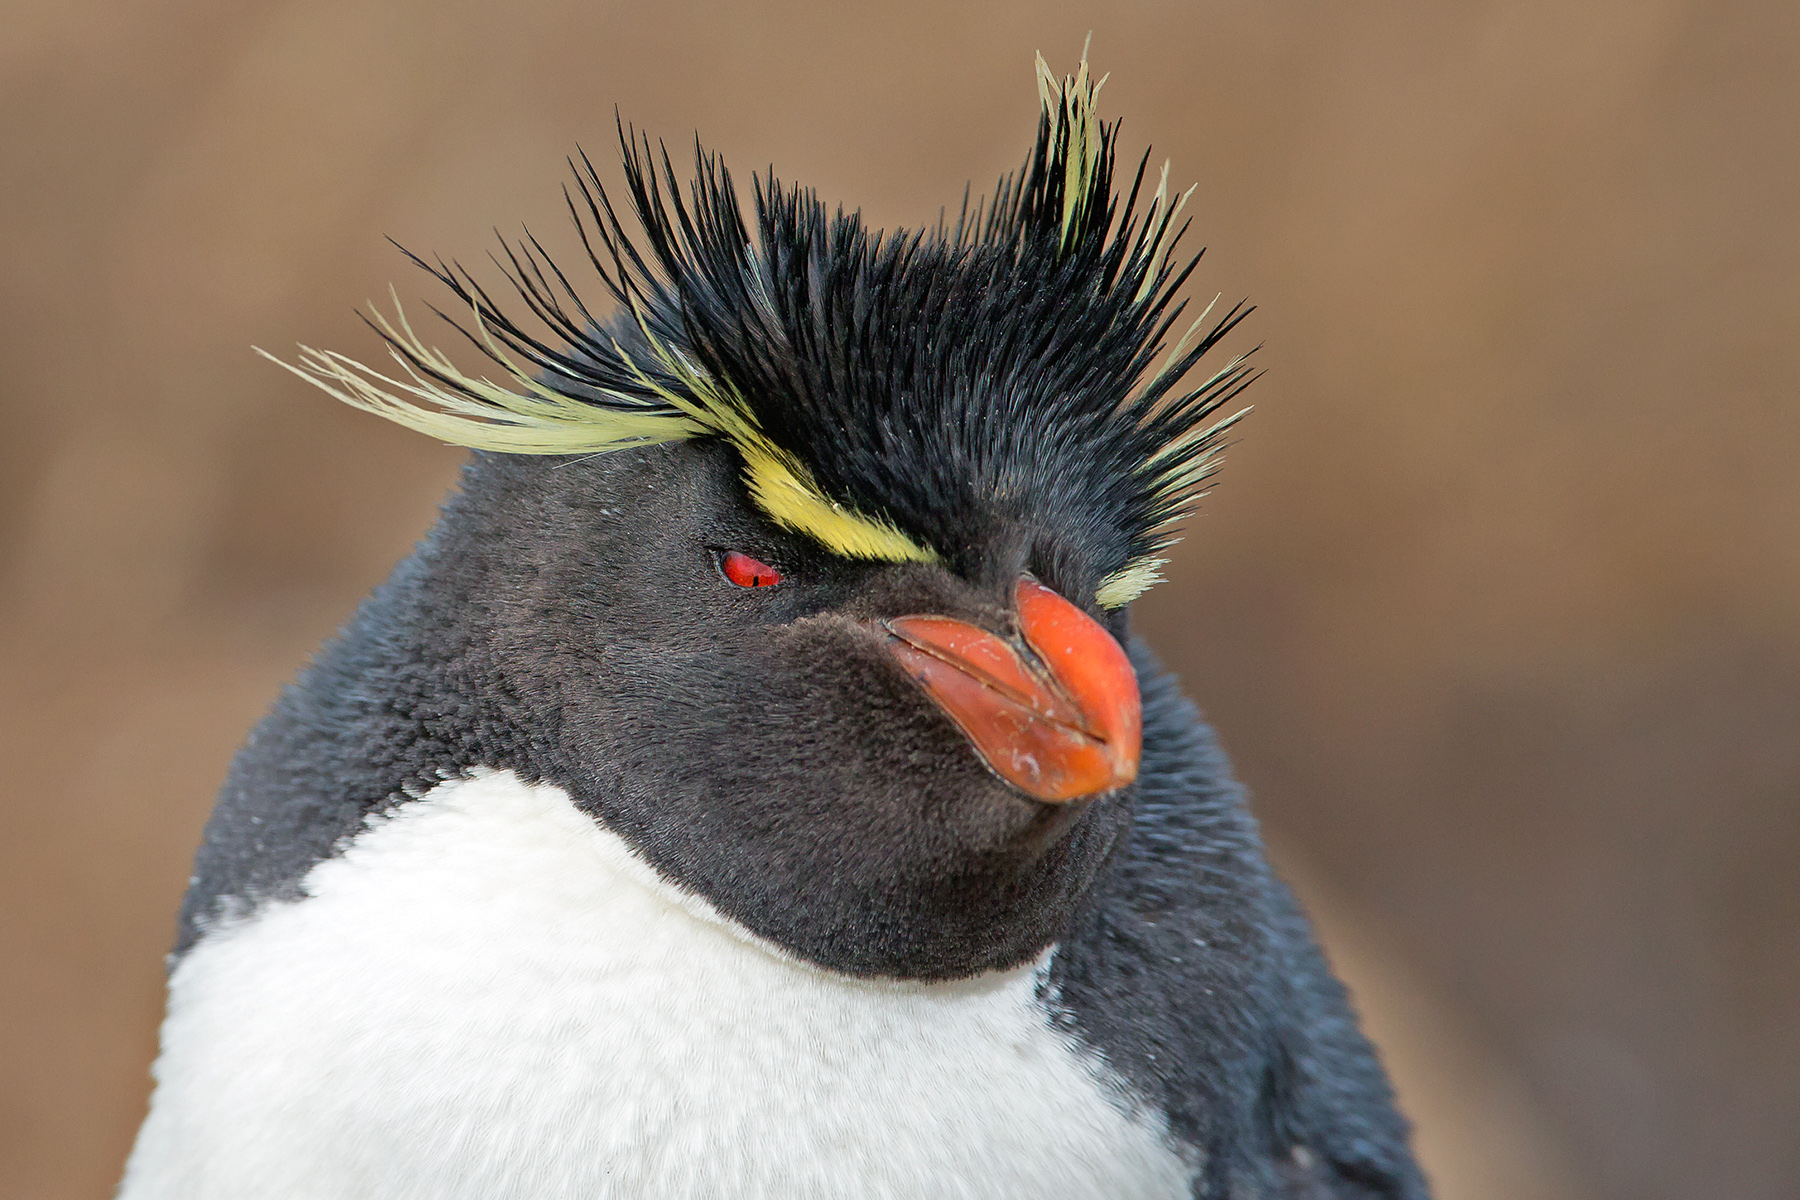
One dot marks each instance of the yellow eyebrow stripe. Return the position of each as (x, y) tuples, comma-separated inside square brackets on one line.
[(784, 489)]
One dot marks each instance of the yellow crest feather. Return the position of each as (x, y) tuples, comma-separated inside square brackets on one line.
[(1131, 581), (1071, 105), (477, 412), (438, 399)]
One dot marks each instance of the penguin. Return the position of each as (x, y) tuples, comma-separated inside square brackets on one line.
[(751, 786)]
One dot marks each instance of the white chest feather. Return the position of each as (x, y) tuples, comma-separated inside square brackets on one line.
[(487, 996)]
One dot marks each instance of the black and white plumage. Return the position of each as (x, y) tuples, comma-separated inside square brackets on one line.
[(588, 862)]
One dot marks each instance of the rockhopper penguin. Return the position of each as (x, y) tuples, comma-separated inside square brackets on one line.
[(751, 787)]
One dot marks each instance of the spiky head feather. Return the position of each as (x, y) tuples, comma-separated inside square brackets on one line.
[(894, 396)]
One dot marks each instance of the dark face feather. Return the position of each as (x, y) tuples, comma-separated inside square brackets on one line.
[(757, 745)]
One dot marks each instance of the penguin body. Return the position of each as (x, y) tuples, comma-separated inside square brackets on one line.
[(752, 787), (438, 1019)]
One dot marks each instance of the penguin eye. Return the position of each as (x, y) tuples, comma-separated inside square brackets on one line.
[(748, 572)]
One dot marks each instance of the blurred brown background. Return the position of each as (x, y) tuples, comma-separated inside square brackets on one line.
[(1497, 603)]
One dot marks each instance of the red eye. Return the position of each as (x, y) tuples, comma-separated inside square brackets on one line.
[(745, 571)]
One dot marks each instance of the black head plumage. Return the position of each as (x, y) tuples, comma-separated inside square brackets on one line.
[(998, 370)]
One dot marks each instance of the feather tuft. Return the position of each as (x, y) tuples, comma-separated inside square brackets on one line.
[(893, 396)]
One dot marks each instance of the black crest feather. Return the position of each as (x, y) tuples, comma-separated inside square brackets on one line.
[(934, 384)]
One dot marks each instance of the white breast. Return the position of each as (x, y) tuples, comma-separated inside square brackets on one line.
[(487, 996)]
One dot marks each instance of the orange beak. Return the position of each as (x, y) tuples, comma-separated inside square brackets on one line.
[(1054, 711)]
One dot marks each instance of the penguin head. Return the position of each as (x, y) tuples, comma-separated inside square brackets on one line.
[(807, 572)]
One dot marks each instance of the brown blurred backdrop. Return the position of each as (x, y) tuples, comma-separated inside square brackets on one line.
[(1497, 603)]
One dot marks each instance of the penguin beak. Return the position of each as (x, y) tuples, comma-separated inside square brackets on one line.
[(1054, 710)]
